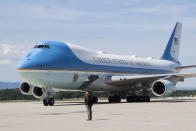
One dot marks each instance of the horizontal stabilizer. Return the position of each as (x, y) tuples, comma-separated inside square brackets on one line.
[(185, 67)]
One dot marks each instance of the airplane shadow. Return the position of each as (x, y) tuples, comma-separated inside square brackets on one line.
[(100, 120), (68, 103), (71, 103), (81, 103), (64, 113), (174, 100)]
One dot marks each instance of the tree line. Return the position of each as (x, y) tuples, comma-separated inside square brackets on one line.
[(14, 94)]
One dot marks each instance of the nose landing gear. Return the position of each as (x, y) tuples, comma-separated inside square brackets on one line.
[(48, 102)]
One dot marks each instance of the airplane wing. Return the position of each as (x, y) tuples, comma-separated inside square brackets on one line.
[(185, 67), (126, 80)]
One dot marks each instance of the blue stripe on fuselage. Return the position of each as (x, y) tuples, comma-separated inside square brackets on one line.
[(61, 57)]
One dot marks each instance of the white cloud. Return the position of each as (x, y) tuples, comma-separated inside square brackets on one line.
[(65, 14), (5, 62), (6, 49), (10, 53), (164, 9)]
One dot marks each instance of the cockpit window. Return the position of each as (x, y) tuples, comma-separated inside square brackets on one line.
[(42, 46), (47, 46)]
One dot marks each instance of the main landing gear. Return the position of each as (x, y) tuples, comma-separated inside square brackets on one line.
[(142, 98), (114, 99), (117, 99), (95, 99), (138, 98), (117, 96)]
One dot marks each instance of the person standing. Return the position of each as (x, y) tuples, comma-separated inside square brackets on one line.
[(89, 103)]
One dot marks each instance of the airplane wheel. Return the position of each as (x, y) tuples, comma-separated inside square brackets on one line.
[(45, 103), (138, 98), (95, 99), (114, 99), (51, 101), (147, 98)]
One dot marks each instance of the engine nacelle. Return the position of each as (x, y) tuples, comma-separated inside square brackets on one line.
[(37, 92), (163, 88), (26, 88)]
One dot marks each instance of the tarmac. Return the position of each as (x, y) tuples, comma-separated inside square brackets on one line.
[(158, 115)]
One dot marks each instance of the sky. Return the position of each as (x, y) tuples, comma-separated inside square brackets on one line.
[(139, 27)]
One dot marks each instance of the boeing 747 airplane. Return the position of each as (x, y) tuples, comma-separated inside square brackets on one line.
[(57, 66)]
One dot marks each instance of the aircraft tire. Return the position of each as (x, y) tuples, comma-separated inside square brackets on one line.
[(51, 101), (95, 99), (114, 99), (45, 103), (138, 98)]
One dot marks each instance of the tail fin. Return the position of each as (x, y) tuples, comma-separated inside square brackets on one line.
[(173, 46)]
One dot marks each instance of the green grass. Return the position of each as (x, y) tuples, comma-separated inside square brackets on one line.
[(69, 99), (5, 101)]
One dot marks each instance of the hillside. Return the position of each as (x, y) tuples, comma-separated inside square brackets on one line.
[(9, 85)]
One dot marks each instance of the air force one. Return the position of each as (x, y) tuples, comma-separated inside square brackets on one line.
[(57, 66)]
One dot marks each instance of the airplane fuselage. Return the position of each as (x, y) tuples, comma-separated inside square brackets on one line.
[(60, 65)]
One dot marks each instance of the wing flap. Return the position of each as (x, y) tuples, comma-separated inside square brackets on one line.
[(187, 75)]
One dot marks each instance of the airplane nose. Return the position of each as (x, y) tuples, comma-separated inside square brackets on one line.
[(24, 63)]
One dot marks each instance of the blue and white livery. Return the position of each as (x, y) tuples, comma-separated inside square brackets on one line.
[(55, 66)]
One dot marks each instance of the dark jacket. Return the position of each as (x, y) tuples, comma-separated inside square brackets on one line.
[(89, 100)]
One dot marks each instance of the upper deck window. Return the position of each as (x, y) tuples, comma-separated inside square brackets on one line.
[(42, 46)]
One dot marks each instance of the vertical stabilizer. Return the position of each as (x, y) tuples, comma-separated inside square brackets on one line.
[(173, 46)]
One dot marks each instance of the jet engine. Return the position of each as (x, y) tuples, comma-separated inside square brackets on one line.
[(37, 92), (26, 88), (163, 88)]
